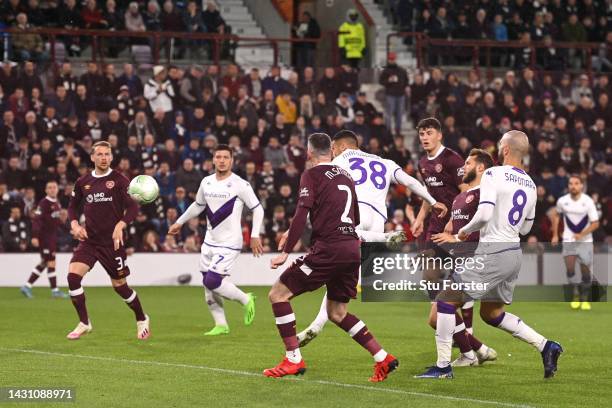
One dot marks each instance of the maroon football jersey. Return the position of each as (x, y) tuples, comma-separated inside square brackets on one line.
[(46, 221), (104, 201), (328, 191), (442, 174), (463, 210)]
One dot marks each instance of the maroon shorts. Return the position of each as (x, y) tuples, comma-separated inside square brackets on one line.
[(47, 251), (336, 267), (112, 261)]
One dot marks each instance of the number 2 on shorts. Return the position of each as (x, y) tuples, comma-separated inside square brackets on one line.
[(347, 207)]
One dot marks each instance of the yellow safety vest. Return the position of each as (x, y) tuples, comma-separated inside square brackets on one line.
[(353, 41)]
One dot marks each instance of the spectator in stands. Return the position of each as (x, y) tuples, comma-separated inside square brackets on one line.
[(134, 22), (395, 81), (212, 18), (159, 91), (16, 233), (352, 39), (308, 29), (194, 22), (28, 46)]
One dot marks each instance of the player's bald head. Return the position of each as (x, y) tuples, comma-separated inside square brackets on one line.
[(319, 145), (514, 143)]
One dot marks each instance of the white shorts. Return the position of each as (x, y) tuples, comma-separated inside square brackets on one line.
[(217, 258), (493, 275), (582, 250), (370, 219)]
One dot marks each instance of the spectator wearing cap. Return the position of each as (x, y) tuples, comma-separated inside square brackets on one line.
[(159, 91), (395, 81)]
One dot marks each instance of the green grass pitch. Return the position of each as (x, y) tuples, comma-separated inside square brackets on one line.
[(180, 367)]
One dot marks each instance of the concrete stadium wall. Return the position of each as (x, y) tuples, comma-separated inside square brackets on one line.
[(164, 269)]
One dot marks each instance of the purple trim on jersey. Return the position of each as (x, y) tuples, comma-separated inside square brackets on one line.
[(258, 204), (577, 228), (505, 250), (374, 208), (220, 246), (396, 170), (519, 170), (217, 217), (487, 202)]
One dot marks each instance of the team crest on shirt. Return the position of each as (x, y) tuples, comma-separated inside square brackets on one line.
[(87, 187), (469, 199), (110, 184), (438, 168)]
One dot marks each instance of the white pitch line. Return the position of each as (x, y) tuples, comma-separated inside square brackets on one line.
[(259, 375)]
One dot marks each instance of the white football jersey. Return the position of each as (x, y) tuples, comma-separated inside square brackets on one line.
[(372, 175), (513, 195), (224, 200), (577, 215)]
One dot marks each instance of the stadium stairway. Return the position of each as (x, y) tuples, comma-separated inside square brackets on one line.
[(244, 24), (384, 26)]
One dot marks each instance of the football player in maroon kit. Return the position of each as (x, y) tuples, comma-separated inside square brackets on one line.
[(442, 171), (473, 351), (102, 197), (327, 195), (45, 223)]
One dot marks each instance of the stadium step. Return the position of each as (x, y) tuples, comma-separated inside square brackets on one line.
[(238, 16)]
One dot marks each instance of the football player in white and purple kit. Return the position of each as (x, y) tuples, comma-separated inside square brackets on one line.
[(580, 219)]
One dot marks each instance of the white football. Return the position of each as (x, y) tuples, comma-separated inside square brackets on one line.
[(143, 189)]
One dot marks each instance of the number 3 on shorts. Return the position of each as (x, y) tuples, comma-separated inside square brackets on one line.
[(120, 262)]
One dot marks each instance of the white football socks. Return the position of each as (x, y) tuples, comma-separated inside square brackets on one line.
[(322, 318), (230, 291), (215, 306), (515, 326), (294, 355), (445, 327)]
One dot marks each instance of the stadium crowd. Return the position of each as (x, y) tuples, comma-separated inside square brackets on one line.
[(167, 125), (527, 21)]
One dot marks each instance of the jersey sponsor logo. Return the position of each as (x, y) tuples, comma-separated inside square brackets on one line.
[(457, 215), (304, 192), (469, 198), (110, 184), (213, 194), (432, 181), (97, 198), (438, 168)]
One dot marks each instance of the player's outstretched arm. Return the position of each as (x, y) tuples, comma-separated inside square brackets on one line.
[(191, 212), (413, 185)]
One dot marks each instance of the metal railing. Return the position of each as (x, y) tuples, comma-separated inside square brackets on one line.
[(158, 40), (481, 53)]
